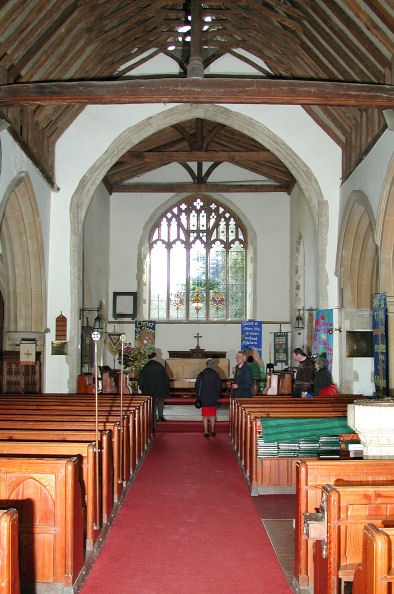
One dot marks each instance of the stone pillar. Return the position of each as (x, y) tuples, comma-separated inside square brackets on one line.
[(373, 420), (390, 344)]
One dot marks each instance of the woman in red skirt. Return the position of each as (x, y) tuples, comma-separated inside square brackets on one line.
[(208, 387)]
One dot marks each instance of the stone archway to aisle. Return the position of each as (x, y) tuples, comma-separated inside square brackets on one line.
[(82, 196)]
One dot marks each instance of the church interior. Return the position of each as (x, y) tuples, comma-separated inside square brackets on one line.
[(193, 178)]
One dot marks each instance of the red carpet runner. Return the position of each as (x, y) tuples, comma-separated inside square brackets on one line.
[(188, 525)]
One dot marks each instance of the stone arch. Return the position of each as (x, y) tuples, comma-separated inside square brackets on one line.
[(299, 274), (385, 233), (135, 134), (23, 267), (356, 264)]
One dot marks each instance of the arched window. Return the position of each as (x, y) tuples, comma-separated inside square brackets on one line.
[(198, 263)]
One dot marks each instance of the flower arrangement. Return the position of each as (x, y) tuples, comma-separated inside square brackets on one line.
[(135, 356)]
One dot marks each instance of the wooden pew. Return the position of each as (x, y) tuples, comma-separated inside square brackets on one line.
[(106, 457), (375, 574), (140, 428), (9, 560), (48, 497), (65, 426), (105, 445), (311, 475), (338, 530), (87, 452)]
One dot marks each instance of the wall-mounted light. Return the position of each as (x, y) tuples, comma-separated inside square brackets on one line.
[(299, 321)]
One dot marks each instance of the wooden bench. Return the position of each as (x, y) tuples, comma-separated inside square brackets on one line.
[(106, 457), (90, 473), (375, 574), (265, 474), (337, 530), (311, 475), (9, 560), (48, 497), (65, 426)]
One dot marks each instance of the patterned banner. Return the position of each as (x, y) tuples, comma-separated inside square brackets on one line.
[(113, 343), (322, 336), (379, 318), (281, 351), (144, 333), (251, 336)]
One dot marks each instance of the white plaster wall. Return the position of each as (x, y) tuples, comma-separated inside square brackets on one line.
[(96, 249), (89, 138), (369, 176)]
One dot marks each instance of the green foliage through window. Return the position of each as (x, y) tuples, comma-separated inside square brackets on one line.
[(198, 263)]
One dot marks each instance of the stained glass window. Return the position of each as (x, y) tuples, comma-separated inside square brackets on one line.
[(198, 263)]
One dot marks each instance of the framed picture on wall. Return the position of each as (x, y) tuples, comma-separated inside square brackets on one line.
[(124, 305)]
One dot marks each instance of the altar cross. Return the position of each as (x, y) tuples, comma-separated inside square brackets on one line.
[(198, 336)]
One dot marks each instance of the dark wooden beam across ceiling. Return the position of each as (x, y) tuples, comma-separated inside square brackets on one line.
[(199, 156), (191, 187), (193, 90)]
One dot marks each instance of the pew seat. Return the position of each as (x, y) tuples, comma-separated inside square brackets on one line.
[(344, 512), (311, 475), (375, 572), (9, 560), (47, 494)]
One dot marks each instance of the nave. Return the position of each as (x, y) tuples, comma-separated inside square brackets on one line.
[(189, 524)]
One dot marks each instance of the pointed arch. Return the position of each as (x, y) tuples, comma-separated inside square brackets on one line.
[(136, 133), (23, 261), (385, 232), (357, 254)]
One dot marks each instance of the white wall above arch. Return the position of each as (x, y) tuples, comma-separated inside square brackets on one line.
[(121, 127)]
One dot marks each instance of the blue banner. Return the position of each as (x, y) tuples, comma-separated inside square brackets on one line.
[(281, 350), (251, 336), (322, 336), (379, 318)]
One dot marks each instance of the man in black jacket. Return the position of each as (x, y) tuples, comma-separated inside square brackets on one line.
[(154, 381)]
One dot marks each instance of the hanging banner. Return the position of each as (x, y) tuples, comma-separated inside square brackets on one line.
[(379, 320), (144, 333), (251, 336), (113, 343), (27, 352), (322, 336), (281, 350)]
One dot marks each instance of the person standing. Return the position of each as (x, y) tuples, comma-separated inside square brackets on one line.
[(208, 387), (304, 374), (243, 378), (154, 381)]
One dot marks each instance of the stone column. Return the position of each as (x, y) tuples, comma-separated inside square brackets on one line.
[(390, 344)]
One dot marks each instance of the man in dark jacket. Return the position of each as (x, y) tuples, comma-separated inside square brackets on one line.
[(243, 378), (304, 375), (154, 381)]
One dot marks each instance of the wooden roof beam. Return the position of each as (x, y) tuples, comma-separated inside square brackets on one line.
[(192, 90), (191, 187)]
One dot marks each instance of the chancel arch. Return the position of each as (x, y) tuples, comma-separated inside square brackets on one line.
[(357, 254), (136, 133), (23, 267)]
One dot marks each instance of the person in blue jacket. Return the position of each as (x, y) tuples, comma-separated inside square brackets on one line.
[(243, 378)]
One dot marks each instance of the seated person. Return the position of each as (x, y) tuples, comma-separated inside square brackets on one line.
[(323, 377)]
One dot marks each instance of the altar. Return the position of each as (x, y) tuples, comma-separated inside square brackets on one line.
[(183, 367)]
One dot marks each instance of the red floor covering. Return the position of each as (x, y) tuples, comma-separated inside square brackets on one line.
[(188, 525)]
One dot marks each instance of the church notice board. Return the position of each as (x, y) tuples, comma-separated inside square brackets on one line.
[(184, 370)]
